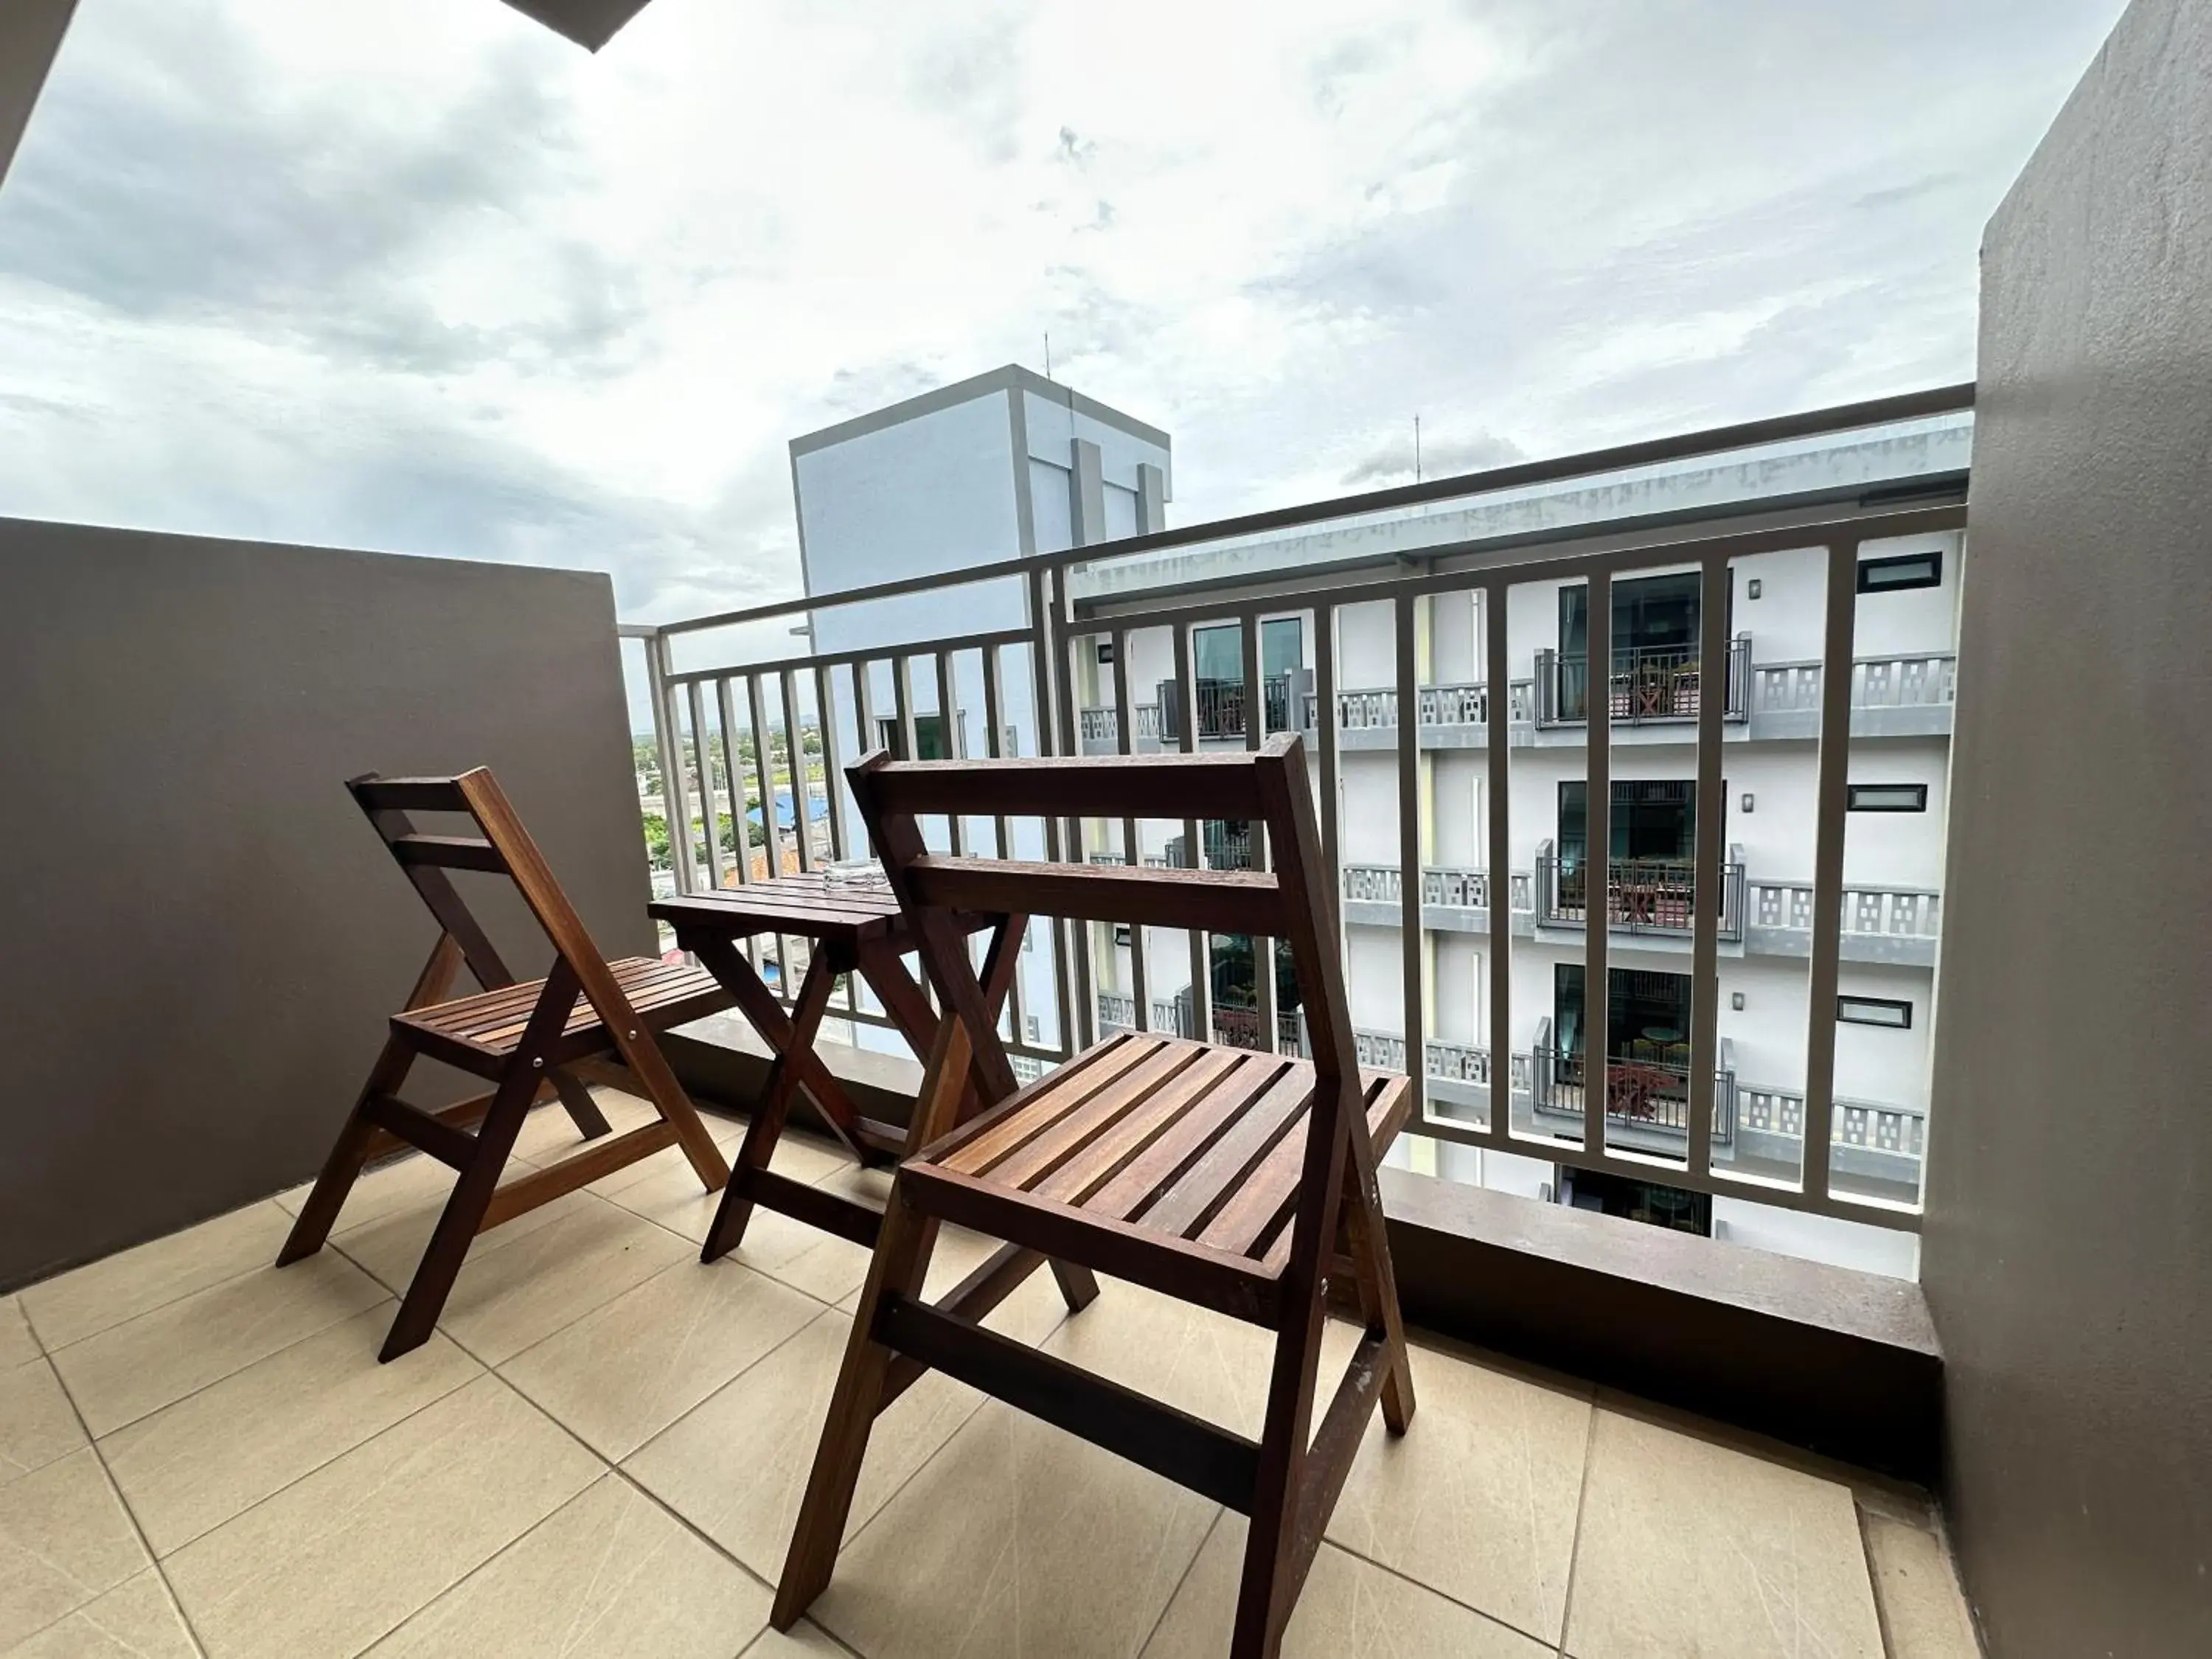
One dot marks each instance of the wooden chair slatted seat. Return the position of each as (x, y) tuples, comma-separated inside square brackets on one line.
[(1239, 1181), (588, 1019)]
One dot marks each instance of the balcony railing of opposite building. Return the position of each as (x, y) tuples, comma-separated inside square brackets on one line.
[(1651, 683), (1104, 725), (1920, 679), (729, 724), (1647, 1086), (1643, 896)]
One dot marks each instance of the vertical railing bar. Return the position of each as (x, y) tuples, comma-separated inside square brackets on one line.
[(703, 753), (903, 706), (825, 719), (771, 836), (1084, 1014), (1255, 733), (794, 748), (953, 734), (1830, 796), (1497, 736), (725, 713), (1411, 946), (667, 728), (1133, 847), (1201, 982), (1001, 840), (1597, 854), (1713, 653), (1043, 690), (1324, 625)]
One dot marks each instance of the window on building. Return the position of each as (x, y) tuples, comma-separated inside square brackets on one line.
[(929, 737), (1655, 639), (1647, 1016), (1886, 797), (1890, 1012), (1651, 820), (1901, 571), (1647, 1202)]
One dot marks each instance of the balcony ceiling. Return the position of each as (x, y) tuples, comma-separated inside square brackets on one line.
[(590, 23)]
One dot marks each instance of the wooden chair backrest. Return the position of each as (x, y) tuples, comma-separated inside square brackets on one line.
[(503, 849), (1292, 902)]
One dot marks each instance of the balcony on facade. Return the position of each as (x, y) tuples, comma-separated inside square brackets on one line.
[(1653, 896), (1219, 706), (1650, 685)]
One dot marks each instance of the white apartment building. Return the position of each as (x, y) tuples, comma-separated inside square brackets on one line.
[(1904, 637), (1008, 464)]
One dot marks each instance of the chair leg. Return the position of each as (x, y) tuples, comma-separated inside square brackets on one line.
[(901, 1264), (312, 1227), (1079, 1287), (583, 1110), (1274, 1561), (1368, 1244), (463, 1215)]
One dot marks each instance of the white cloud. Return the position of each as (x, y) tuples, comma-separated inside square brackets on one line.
[(421, 276)]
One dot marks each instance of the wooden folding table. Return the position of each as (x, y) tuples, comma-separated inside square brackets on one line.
[(851, 926)]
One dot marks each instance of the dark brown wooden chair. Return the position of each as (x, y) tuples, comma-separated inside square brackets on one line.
[(531, 1041), (1239, 1182)]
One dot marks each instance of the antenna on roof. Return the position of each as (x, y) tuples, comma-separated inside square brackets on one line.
[(1416, 449), (1048, 354)]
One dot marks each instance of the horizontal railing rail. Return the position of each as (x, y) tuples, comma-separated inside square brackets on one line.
[(749, 757)]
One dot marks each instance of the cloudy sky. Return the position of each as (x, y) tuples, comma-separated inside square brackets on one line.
[(421, 276)]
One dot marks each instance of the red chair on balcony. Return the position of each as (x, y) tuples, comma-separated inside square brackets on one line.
[(1235, 1180)]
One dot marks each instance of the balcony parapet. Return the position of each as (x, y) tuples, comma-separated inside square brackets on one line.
[(1891, 925), (1908, 695)]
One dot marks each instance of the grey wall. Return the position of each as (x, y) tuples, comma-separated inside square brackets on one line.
[(200, 937), (2068, 1257)]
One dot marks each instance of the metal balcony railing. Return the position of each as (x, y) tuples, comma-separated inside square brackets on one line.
[(1649, 683), (748, 729), (1646, 1087), (1643, 896)]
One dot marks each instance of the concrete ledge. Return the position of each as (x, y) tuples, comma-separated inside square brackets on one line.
[(1841, 1363)]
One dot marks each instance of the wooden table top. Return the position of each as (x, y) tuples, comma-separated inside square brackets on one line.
[(809, 906)]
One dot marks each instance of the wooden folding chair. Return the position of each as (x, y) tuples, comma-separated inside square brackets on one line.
[(1236, 1181), (530, 1040)]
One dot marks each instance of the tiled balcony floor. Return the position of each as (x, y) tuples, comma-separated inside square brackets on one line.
[(601, 1454)]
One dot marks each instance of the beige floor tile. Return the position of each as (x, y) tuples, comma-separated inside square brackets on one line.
[(91, 1298), (1923, 1613), (193, 1465), (620, 1375), (407, 1184), (1016, 1539), (803, 1641), (1478, 1499), (549, 1134), (64, 1540), (130, 1370), (135, 1621), (522, 1291), (736, 1466), (342, 1556), (391, 1247), (1204, 1363), (1691, 1547), (17, 1345), (609, 1574), (1349, 1609), (800, 1160), (37, 1422)]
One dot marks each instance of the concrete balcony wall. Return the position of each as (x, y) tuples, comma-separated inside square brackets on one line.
[(2067, 1247), (205, 937)]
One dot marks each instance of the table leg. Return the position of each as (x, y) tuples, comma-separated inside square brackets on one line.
[(766, 1127)]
